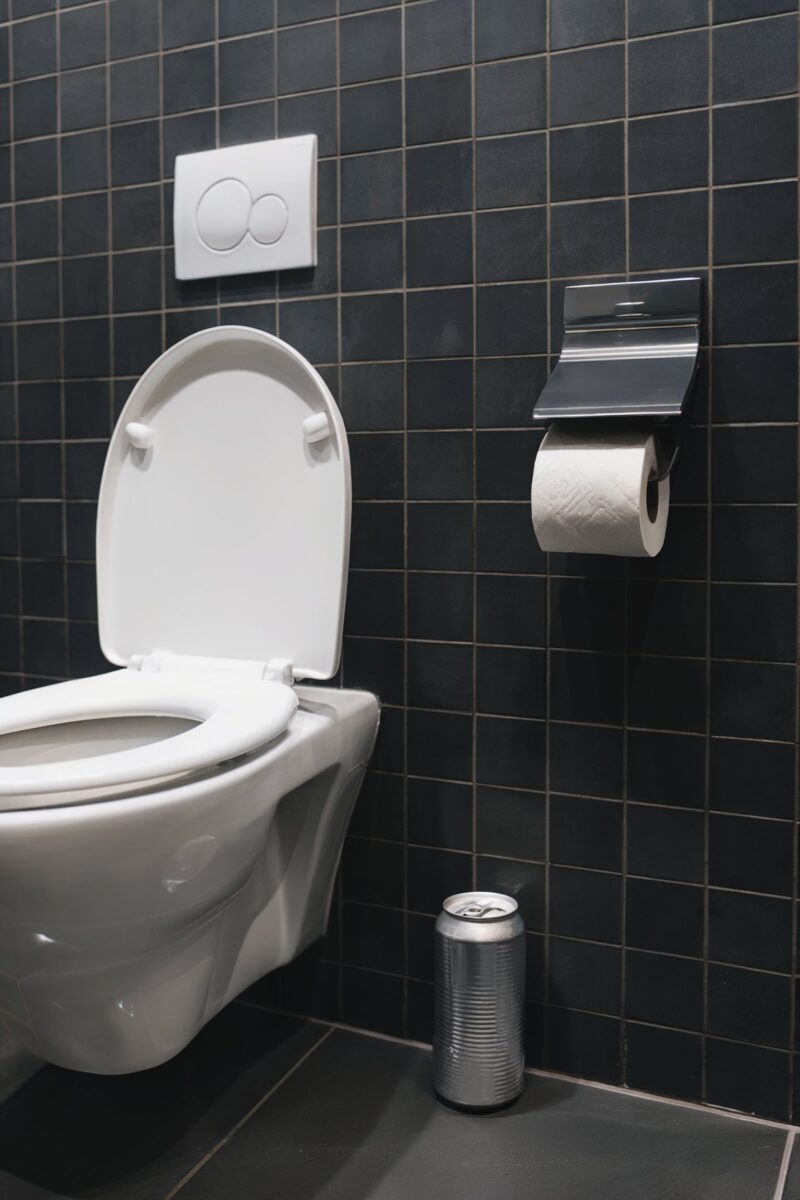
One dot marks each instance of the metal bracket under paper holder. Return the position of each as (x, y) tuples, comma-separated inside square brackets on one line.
[(630, 352)]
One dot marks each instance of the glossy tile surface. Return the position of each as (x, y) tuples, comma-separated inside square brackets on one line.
[(358, 1119), (137, 1136), (261, 1105)]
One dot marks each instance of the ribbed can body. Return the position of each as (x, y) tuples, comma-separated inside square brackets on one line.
[(479, 997)]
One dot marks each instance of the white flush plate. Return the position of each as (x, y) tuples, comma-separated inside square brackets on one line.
[(246, 208)]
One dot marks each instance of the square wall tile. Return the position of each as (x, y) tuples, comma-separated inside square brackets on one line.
[(588, 85), (756, 58), (575, 23), (669, 72), (438, 34), (507, 28)]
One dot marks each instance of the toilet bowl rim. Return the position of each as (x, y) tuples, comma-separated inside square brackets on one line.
[(233, 719)]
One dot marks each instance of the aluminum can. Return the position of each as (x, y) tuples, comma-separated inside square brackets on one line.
[(479, 1000)]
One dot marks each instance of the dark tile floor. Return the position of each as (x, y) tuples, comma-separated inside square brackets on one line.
[(264, 1106), (791, 1188)]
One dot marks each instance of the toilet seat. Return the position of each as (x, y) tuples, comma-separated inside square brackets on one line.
[(222, 549), (235, 717)]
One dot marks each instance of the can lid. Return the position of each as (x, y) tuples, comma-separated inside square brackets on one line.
[(480, 906)]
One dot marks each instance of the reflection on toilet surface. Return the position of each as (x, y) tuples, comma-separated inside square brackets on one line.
[(170, 831), (188, 861)]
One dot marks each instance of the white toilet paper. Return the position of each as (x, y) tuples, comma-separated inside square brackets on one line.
[(594, 494)]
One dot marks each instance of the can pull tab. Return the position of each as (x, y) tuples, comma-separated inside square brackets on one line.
[(480, 906), (478, 911)]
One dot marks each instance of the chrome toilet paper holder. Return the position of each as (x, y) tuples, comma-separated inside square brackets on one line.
[(629, 355)]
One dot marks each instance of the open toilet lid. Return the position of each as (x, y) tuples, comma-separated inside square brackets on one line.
[(225, 532)]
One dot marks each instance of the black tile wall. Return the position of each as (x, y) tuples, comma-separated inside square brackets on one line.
[(614, 742)]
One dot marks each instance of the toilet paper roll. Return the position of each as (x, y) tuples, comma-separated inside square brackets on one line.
[(597, 494)]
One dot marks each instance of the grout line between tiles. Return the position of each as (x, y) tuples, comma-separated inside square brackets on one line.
[(15, 359), (780, 1185), (548, 815), (403, 152), (625, 873), (474, 452), (705, 1108), (708, 587)]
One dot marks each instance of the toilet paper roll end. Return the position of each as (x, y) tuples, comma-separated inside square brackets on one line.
[(600, 493)]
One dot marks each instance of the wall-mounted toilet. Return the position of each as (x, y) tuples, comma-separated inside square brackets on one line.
[(170, 831)]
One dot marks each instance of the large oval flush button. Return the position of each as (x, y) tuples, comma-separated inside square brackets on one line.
[(223, 213)]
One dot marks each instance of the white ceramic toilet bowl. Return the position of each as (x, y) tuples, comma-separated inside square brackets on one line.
[(169, 832), (128, 921)]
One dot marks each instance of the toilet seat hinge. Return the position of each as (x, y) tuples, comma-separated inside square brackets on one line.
[(280, 669)]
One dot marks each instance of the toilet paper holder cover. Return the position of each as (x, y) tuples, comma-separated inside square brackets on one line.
[(630, 350)]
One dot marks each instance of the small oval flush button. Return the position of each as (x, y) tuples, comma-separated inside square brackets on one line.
[(268, 219), (140, 436), (317, 427)]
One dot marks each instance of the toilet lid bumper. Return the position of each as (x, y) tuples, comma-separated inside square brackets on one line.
[(232, 721)]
